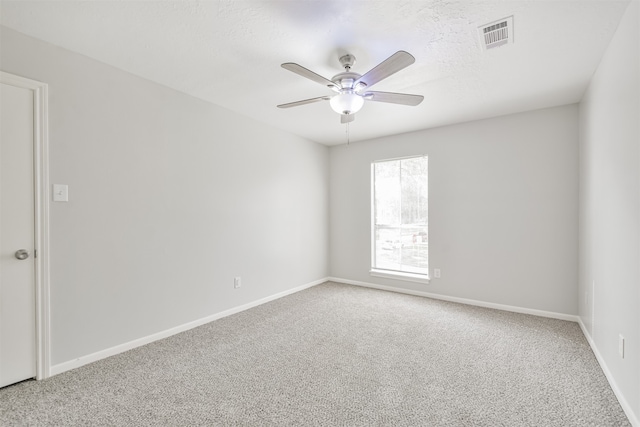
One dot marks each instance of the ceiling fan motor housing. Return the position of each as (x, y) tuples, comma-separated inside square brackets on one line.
[(346, 80)]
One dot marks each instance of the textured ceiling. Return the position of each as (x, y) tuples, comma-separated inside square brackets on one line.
[(229, 53)]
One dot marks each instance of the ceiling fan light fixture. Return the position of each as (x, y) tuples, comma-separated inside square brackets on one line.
[(346, 103)]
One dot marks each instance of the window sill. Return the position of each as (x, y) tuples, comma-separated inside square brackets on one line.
[(409, 277)]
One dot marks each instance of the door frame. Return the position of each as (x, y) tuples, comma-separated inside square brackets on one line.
[(41, 222)]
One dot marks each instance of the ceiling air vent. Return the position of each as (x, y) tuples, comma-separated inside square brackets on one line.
[(496, 33)]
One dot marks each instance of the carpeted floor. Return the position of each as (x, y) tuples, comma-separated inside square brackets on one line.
[(338, 355)]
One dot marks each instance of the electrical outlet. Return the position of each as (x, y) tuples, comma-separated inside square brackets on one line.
[(237, 282), (621, 345), (436, 273)]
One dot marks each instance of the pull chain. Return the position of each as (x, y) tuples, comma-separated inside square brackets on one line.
[(348, 133)]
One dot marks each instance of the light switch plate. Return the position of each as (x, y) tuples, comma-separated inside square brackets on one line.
[(60, 193)]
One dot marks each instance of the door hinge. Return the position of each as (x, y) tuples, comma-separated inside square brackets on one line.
[(35, 253)]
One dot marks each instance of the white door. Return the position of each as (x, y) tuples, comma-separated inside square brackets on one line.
[(17, 276)]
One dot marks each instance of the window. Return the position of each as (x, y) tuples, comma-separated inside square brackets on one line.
[(399, 219)]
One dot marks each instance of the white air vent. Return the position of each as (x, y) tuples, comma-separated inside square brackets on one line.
[(496, 33)]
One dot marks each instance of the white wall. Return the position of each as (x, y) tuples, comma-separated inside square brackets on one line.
[(503, 208), (610, 209), (170, 198)]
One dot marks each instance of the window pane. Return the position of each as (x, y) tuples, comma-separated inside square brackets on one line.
[(401, 215), (387, 193), (388, 247), (414, 191)]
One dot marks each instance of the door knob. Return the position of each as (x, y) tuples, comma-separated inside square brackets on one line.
[(22, 254)]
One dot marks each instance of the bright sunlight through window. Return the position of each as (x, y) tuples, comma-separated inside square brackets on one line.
[(400, 218)]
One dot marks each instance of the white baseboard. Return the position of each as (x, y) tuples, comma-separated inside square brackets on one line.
[(628, 410), (112, 351), (504, 307)]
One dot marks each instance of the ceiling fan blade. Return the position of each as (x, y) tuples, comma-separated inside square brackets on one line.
[(346, 118), (304, 72), (304, 101), (389, 66), (394, 98)]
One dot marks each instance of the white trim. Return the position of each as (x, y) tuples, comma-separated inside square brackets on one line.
[(399, 158), (504, 307), (41, 225), (102, 354), (400, 275), (628, 410)]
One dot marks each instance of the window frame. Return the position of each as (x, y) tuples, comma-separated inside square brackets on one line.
[(389, 273)]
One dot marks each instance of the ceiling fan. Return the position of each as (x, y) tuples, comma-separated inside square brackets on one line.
[(352, 89)]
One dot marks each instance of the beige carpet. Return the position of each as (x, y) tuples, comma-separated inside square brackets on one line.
[(338, 355)]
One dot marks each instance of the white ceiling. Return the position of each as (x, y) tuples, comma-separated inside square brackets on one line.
[(229, 53)]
